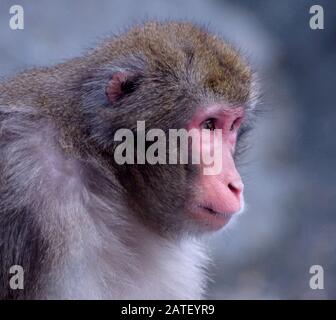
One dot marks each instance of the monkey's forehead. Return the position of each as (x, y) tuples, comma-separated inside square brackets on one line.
[(189, 53)]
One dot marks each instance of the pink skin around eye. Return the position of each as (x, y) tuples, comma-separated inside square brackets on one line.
[(219, 196), (223, 116), (225, 119)]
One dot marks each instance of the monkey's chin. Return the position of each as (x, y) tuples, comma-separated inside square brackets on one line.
[(210, 219)]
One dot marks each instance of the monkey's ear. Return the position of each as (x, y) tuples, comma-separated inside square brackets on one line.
[(121, 83)]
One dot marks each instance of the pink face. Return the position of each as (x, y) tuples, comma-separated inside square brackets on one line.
[(219, 194)]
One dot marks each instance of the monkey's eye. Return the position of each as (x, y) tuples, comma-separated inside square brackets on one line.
[(209, 124), (235, 124)]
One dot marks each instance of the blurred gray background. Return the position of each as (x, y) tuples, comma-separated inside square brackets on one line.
[(290, 221)]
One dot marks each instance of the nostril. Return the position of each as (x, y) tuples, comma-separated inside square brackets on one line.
[(235, 189)]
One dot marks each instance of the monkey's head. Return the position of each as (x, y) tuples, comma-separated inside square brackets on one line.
[(172, 76)]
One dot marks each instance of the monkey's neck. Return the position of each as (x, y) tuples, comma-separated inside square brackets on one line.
[(114, 256), (107, 265)]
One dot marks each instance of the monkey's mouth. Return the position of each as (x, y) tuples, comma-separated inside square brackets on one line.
[(216, 213), (212, 218)]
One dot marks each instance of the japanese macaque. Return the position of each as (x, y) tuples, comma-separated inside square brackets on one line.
[(83, 226)]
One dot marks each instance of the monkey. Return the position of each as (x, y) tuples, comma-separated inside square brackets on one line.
[(81, 225)]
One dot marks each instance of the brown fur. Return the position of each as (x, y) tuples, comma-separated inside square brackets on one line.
[(192, 62)]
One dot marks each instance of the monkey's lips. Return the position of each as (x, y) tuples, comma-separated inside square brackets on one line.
[(213, 219)]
